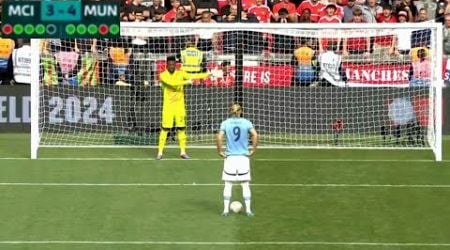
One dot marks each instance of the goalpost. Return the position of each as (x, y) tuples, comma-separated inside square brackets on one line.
[(386, 93)]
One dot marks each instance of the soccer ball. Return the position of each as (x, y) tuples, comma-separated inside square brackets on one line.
[(235, 206)]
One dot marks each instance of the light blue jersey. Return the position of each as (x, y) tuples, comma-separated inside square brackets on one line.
[(236, 131)]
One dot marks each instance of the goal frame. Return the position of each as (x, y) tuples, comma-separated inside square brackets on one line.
[(435, 111)]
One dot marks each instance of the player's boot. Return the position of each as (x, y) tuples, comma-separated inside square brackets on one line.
[(225, 214), (250, 214), (159, 157), (185, 156)]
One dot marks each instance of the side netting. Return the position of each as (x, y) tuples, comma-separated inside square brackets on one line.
[(351, 86)]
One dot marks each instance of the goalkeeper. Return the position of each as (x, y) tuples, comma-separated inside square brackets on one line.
[(174, 110)]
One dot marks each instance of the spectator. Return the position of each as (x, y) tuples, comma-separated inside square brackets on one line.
[(375, 10), (183, 16), (68, 64), (247, 4), (356, 45), (284, 16), (247, 38), (48, 64), (384, 44), (89, 73), (447, 34), (282, 43), (221, 77), (229, 13), (441, 9), (178, 42), (330, 17), (246, 17), (401, 45), (386, 16), (225, 10), (6, 49), (331, 72), (304, 55), (261, 11), (348, 11), (120, 60), (402, 16), (21, 62), (410, 8), (171, 14), (290, 7), (315, 7), (157, 11), (420, 74), (206, 5), (422, 16), (206, 40), (305, 17), (222, 3), (338, 12), (368, 15), (227, 79), (136, 12), (193, 60)]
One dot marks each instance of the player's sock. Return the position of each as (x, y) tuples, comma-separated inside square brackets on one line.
[(247, 195), (162, 140), (182, 140), (227, 196)]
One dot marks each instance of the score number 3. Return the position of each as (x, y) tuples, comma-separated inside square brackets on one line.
[(51, 10), (61, 11)]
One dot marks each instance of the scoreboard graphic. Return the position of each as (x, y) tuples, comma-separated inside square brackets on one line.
[(61, 19)]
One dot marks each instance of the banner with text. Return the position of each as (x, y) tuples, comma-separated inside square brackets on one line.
[(358, 75)]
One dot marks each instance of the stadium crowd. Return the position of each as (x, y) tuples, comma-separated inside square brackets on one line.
[(91, 61)]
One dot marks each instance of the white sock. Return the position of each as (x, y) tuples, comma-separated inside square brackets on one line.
[(227, 196), (247, 195)]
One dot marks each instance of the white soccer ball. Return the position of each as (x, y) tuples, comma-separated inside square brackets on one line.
[(236, 206)]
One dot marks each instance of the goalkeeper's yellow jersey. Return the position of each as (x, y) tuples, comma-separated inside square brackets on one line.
[(172, 85)]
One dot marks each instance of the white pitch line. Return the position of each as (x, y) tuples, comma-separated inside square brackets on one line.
[(228, 243), (342, 185), (218, 159)]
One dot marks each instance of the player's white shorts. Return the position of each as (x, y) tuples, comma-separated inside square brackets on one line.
[(236, 168)]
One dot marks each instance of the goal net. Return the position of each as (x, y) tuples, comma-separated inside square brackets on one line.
[(303, 86)]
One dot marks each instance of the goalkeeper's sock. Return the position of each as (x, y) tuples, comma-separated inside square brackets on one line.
[(247, 195), (182, 138), (227, 196), (162, 140)]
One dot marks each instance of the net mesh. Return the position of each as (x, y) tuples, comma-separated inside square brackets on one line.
[(301, 87)]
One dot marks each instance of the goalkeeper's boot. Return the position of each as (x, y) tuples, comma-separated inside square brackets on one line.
[(159, 157), (250, 214), (185, 156), (225, 214)]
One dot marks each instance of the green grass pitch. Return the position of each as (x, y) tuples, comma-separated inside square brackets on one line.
[(302, 199)]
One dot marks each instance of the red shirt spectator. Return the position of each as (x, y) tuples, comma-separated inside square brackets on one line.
[(221, 4), (246, 4), (261, 11), (339, 11), (385, 17), (330, 16), (285, 4), (170, 15), (314, 6)]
